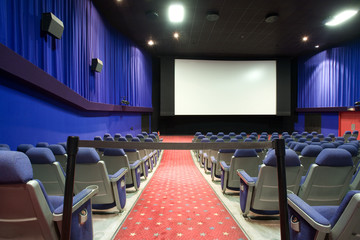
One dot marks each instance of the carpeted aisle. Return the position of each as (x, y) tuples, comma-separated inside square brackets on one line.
[(178, 203)]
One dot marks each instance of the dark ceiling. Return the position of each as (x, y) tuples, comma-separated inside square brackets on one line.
[(239, 32)]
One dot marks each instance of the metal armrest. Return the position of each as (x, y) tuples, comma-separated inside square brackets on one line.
[(78, 200), (119, 174), (309, 214), (213, 159), (224, 166), (246, 178), (135, 164)]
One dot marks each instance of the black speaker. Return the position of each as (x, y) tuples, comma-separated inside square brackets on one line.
[(52, 25), (96, 65)]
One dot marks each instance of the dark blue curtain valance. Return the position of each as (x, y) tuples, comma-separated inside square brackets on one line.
[(127, 70), (331, 78)]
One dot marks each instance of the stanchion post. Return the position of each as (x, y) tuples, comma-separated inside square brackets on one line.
[(279, 146), (72, 148)]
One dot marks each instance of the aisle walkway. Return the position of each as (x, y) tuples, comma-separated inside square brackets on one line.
[(178, 203)]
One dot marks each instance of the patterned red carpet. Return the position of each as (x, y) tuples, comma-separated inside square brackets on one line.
[(178, 203)]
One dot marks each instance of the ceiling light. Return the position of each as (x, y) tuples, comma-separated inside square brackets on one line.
[(305, 38), (341, 17), (176, 13), (212, 16), (150, 43), (317, 46), (176, 35), (271, 18)]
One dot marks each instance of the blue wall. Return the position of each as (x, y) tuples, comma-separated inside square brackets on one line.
[(30, 117)]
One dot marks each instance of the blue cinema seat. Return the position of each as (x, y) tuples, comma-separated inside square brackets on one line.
[(116, 159), (222, 155), (60, 154), (24, 147), (47, 170), (245, 159), (90, 170), (117, 136), (328, 179), (308, 156), (260, 194), (28, 212), (336, 222)]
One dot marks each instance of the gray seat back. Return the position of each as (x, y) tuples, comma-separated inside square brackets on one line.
[(114, 160), (265, 195), (245, 159), (347, 227), (91, 171), (308, 156), (328, 179), (22, 201), (47, 170)]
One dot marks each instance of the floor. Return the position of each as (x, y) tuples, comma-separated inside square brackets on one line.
[(107, 224)]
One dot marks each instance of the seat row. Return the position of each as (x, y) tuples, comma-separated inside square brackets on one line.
[(102, 177)]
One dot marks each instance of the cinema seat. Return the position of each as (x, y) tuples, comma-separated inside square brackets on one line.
[(328, 179), (355, 180), (245, 159), (47, 170), (117, 136), (308, 156), (222, 155), (346, 135), (208, 160), (116, 159), (260, 194), (203, 153), (28, 212), (129, 137), (355, 134), (60, 154), (352, 150), (106, 135), (42, 144), (24, 147), (90, 170), (337, 222), (134, 155), (5, 146)]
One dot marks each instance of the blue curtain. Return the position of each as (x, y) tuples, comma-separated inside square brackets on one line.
[(127, 70), (331, 78)]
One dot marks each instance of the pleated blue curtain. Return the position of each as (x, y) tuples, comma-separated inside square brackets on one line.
[(127, 70), (330, 78)]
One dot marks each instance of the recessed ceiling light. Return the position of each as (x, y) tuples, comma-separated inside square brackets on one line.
[(305, 38), (317, 46), (176, 13), (150, 42), (341, 17), (176, 35), (212, 16)]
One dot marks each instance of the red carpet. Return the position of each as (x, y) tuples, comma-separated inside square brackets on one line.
[(178, 203)]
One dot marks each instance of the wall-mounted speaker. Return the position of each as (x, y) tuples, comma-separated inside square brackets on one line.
[(52, 25), (96, 65)]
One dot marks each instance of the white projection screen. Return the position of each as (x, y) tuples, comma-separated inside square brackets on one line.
[(212, 87)]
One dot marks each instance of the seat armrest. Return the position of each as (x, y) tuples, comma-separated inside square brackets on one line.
[(135, 164), (78, 200), (119, 174), (309, 214), (145, 158), (224, 166), (246, 178), (213, 159)]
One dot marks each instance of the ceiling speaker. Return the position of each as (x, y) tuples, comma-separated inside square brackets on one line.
[(96, 65), (52, 25)]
